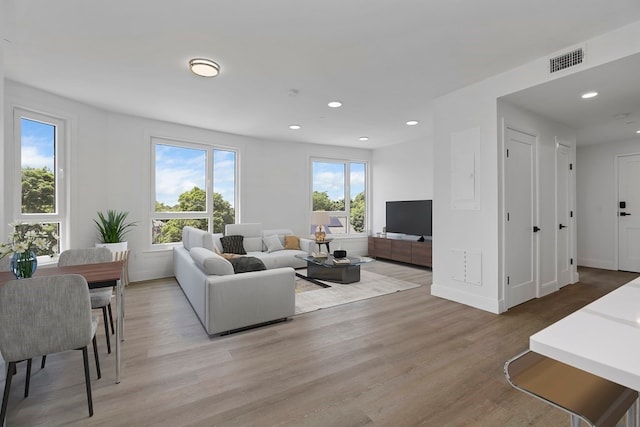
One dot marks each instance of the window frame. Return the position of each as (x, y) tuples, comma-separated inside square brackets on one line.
[(209, 186), (61, 141), (346, 163)]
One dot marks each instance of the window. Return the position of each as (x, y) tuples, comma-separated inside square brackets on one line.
[(40, 194), (339, 187), (194, 185)]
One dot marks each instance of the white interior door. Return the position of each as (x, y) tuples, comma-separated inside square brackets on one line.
[(563, 215), (629, 213), (520, 241)]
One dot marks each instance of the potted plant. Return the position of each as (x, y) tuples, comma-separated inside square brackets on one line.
[(111, 229)]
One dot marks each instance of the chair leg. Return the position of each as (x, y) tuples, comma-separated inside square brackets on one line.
[(106, 329), (87, 380), (7, 386), (44, 359), (27, 378), (113, 331), (95, 353)]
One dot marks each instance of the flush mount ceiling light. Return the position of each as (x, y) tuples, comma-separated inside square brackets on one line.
[(412, 122), (589, 95), (335, 104), (364, 138), (294, 127), (638, 131), (204, 67)]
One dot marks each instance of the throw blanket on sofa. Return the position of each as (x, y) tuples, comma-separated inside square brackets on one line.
[(244, 264)]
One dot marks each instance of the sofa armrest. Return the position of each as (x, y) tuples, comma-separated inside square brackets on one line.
[(307, 245), (248, 299)]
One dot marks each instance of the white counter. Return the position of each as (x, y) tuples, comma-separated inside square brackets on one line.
[(602, 338)]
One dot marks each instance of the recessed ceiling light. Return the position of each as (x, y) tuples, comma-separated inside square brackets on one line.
[(204, 67), (589, 95), (638, 131), (412, 122), (335, 104), (294, 127), (364, 138)]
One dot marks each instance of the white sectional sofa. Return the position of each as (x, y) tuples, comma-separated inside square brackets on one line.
[(225, 301), (255, 244)]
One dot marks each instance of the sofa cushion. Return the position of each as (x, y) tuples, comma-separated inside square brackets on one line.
[(291, 242), (245, 264), (215, 240), (233, 244), (273, 243), (252, 233), (252, 244), (210, 262)]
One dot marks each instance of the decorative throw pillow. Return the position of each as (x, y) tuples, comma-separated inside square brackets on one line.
[(273, 243), (233, 245), (291, 242)]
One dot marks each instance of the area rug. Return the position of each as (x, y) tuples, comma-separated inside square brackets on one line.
[(370, 285)]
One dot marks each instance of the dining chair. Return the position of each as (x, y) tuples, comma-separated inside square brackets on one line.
[(587, 398), (28, 309), (5, 263), (100, 298)]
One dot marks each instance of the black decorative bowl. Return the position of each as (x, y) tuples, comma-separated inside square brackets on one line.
[(339, 254)]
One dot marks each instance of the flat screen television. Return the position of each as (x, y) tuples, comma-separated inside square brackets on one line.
[(412, 217)]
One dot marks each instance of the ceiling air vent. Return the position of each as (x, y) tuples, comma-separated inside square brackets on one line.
[(566, 60)]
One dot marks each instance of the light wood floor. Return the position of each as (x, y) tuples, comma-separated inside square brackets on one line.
[(406, 359)]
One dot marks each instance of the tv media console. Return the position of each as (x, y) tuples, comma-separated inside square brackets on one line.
[(409, 251)]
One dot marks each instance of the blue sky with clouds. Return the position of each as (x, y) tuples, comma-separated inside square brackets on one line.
[(179, 169), (38, 144), (330, 177)]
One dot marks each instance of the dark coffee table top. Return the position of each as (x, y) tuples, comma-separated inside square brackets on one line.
[(328, 261)]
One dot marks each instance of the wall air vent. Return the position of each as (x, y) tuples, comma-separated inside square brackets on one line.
[(566, 60)]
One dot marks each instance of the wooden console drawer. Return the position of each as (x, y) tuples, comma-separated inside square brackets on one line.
[(382, 248), (401, 250), (421, 253)]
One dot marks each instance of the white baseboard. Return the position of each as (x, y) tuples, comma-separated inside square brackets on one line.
[(456, 295), (597, 263)]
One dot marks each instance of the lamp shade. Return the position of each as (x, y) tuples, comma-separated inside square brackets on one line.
[(320, 218)]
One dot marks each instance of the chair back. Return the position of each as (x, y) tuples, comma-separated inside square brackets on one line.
[(44, 315), (5, 263), (85, 256)]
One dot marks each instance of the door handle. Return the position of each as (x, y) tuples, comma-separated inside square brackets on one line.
[(536, 229), (624, 214), (561, 226)]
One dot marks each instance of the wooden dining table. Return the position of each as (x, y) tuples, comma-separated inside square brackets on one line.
[(103, 275)]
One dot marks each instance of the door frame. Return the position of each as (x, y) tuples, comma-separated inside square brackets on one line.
[(562, 144), (616, 184), (504, 302)]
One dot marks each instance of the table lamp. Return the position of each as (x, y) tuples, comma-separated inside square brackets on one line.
[(320, 219)]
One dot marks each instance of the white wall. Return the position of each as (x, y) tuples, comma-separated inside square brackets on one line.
[(597, 202), (110, 161), (474, 107), (400, 172)]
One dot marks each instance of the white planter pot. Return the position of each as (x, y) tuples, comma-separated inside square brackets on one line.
[(113, 247)]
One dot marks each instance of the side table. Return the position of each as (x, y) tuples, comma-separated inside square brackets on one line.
[(323, 242)]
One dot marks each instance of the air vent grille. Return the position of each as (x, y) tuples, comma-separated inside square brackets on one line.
[(566, 60)]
